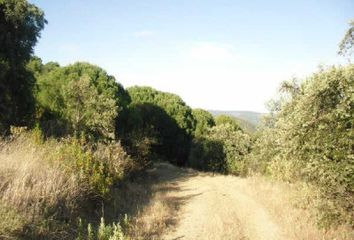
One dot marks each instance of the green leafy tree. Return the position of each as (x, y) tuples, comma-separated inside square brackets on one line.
[(164, 117), (36, 66), (81, 97), (20, 27), (171, 103), (87, 110), (204, 121), (221, 149), (225, 119), (236, 145), (310, 138)]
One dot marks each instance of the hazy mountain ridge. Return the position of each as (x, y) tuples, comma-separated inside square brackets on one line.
[(249, 116)]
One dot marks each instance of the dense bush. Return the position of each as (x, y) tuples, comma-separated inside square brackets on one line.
[(236, 145), (310, 138), (207, 155), (222, 149)]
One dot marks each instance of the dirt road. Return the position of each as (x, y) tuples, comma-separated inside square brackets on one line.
[(215, 207), (189, 205)]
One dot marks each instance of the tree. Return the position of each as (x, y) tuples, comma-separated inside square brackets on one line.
[(163, 115), (87, 110), (236, 145), (310, 139), (207, 155), (171, 103), (347, 43), (224, 119), (82, 97), (20, 27), (204, 121), (221, 149)]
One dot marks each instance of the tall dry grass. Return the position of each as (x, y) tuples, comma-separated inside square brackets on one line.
[(47, 186), (33, 187)]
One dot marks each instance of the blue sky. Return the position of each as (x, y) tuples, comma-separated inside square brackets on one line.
[(225, 55)]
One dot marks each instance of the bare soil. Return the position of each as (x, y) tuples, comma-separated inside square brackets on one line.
[(194, 205), (216, 208)]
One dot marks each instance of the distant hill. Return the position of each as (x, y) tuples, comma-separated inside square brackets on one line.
[(252, 117), (248, 120)]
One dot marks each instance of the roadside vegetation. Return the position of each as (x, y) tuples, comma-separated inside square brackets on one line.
[(74, 141)]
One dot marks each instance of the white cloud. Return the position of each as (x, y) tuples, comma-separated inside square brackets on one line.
[(144, 33)]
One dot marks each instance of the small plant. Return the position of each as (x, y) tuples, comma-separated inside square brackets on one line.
[(104, 232)]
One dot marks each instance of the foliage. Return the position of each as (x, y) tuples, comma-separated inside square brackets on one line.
[(104, 232), (207, 155), (236, 145), (81, 98), (225, 119), (87, 110), (174, 106), (99, 165), (36, 66), (311, 139), (346, 46), (222, 149), (161, 117), (204, 121), (45, 185), (20, 27)]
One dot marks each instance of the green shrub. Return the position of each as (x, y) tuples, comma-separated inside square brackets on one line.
[(98, 164), (207, 155), (222, 149), (236, 145), (112, 231), (310, 138)]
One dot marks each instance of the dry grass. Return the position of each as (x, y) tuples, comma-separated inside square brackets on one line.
[(34, 187), (291, 207), (150, 202), (41, 196), (157, 216)]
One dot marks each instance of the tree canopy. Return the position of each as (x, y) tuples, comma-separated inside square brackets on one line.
[(225, 119), (161, 116), (204, 121), (311, 138), (83, 95), (20, 27), (171, 103)]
